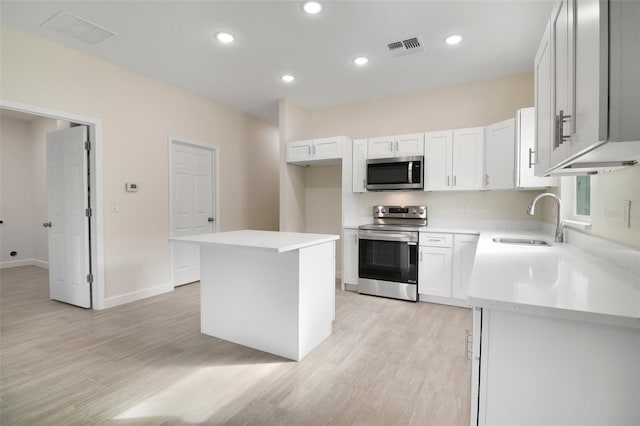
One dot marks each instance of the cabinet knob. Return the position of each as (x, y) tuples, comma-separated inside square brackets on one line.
[(47, 224), (210, 219)]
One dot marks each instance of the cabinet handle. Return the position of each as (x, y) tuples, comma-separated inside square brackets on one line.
[(420, 256), (560, 137), (468, 345), (314, 150), (531, 152), (435, 239), (309, 149), (486, 179), (396, 146), (454, 180), (355, 239), (448, 179)]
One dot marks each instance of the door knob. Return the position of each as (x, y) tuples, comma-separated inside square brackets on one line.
[(210, 219), (47, 224)]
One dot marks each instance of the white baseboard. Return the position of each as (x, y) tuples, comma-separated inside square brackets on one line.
[(24, 262), (121, 299)]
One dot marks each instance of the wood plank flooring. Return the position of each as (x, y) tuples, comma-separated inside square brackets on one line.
[(387, 363)]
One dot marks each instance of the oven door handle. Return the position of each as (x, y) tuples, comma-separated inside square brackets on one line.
[(386, 236)]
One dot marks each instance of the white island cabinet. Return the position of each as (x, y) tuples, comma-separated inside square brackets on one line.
[(271, 291)]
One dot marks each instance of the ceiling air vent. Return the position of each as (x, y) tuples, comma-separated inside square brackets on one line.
[(406, 47), (71, 25)]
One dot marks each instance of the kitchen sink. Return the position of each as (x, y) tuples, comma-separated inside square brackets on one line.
[(525, 241)]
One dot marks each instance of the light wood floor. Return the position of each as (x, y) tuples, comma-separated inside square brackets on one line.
[(388, 362)]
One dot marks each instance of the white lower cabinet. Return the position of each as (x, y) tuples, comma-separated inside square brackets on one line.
[(434, 265), (444, 267), (464, 253), (434, 271), (350, 256), (544, 370)]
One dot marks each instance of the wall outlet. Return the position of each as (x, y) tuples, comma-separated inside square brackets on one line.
[(465, 208)]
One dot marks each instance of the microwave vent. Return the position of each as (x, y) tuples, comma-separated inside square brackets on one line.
[(406, 47)]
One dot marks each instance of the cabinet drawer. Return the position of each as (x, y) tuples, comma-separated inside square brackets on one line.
[(436, 240)]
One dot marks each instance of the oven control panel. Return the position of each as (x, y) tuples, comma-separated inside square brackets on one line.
[(400, 212)]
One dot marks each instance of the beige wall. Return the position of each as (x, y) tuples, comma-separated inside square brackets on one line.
[(138, 115), (467, 105), (16, 183)]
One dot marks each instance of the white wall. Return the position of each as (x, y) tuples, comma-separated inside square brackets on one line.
[(138, 115)]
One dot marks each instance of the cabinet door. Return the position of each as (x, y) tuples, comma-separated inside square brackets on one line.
[(359, 166), (544, 118), (327, 148), (350, 256), (299, 151), (591, 74), (464, 252), (562, 64), (500, 155), (409, 145), (381, 147), (437, 161), (434, 271), (468, 159), (525, 135)]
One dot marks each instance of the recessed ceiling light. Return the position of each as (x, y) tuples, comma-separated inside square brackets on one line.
[(287, 78), (224, 37), (360, 60), (312, 7), (453, 39)]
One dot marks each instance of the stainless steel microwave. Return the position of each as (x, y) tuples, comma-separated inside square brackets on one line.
[(399, 173)]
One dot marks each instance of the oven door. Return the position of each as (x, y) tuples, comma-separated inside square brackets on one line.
[(388, 264)]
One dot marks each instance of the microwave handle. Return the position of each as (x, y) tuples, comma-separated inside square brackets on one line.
[(410, 171)]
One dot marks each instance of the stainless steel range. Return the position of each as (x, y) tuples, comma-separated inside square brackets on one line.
[(388, 252)]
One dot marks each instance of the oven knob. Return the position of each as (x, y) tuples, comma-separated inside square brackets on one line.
[(421, 211), (384, 210), (414, 211), (377, 211)]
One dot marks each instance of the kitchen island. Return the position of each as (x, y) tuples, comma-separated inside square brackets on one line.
[(271, 291)]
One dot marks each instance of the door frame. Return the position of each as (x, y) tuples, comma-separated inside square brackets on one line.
[(215, 149), (95, 183)]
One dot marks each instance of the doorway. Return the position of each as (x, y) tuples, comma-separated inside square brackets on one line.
[(75, 244), (193, 203)]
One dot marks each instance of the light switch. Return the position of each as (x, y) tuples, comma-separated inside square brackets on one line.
[(131, 187), (115, 206)]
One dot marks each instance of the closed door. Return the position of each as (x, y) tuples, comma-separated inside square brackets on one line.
[(544, 131), (299, 151), (409, 145), (192, 206), (359, 170), (382, 147), (435, 271), (67, 222), (464, 248), (327, 148)]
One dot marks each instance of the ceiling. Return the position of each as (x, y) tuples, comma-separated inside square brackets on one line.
[(174, 41)]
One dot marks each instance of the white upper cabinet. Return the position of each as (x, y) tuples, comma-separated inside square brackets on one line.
[(396, 146), (587, 75), (316, 152), (468, 159), (525, 145), (299, 151), (438, 161), (409, 145), (359, 166), (500, 155), (544, 131), (454, 160)]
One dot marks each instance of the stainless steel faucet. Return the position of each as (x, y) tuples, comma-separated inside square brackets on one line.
[(559, 223)]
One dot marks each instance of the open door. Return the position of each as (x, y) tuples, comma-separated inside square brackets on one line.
[(68, 221)]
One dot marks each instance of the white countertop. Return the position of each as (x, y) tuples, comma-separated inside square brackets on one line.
[(561, 280), (269, 240)]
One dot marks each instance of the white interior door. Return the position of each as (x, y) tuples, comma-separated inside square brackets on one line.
[(192, 206), (67, 186)]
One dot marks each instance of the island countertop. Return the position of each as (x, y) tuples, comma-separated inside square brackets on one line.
[(280, 242)]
